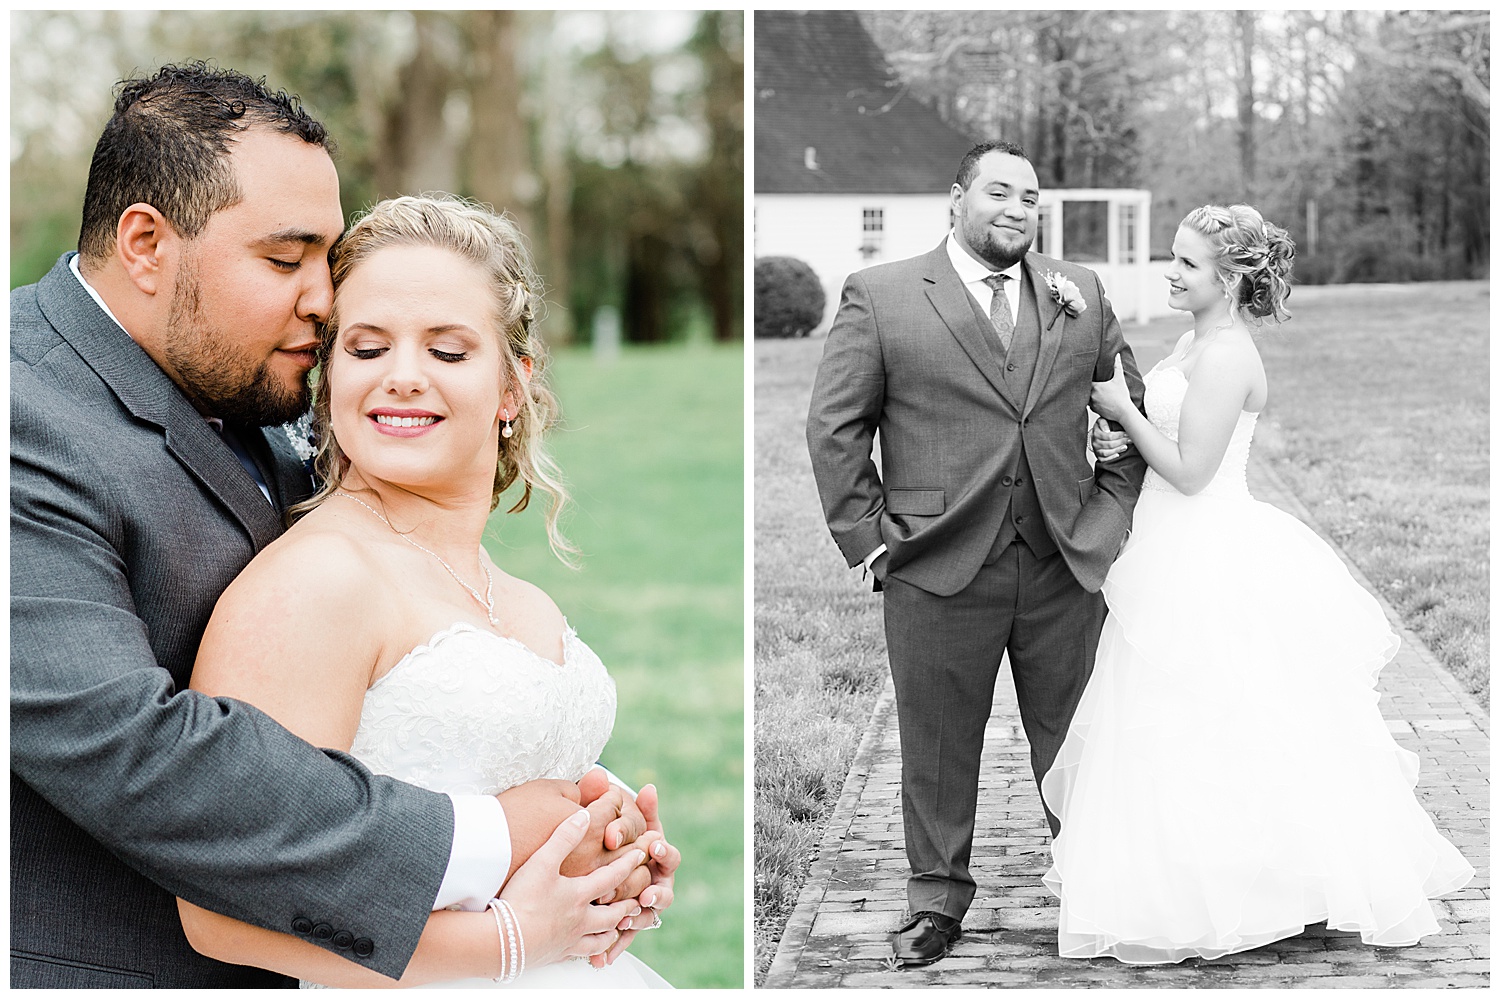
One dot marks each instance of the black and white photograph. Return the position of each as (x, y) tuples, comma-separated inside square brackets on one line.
[(1121, 498)]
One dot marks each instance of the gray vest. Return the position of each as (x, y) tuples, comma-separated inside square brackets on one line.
[(1024, 518)]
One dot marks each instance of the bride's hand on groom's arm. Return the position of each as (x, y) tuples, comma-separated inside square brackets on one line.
[(1107, 444), (1111, 399)]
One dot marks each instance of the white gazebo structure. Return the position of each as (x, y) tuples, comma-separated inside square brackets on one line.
[(1136, 290)]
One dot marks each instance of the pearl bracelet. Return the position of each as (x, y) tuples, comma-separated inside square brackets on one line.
[(512, 943)]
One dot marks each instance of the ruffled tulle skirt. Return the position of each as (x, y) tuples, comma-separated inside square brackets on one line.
[(1228, 777)]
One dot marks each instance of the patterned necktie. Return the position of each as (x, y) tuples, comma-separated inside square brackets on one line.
[(1000, 308)]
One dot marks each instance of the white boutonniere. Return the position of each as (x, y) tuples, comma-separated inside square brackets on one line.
[(1067, 296), (300, 433)]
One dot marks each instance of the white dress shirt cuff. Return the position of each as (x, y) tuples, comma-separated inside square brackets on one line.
[(480, 858), (617, 782), (870, 558)]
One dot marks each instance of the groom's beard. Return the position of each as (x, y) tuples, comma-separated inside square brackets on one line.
[(1000, 248), (221, 381)]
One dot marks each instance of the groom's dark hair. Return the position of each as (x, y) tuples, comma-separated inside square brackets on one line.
[(167, 145), (969, 165)]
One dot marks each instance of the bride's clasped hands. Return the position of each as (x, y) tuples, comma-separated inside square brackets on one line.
[(379, 626)]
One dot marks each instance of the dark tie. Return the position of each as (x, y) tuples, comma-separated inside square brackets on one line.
[(1000, 308), (238, 447)]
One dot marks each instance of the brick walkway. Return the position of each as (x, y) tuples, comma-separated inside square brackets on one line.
[(855, 892)]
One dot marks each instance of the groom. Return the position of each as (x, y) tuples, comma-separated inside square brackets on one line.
[(143, 370), (984, 525)]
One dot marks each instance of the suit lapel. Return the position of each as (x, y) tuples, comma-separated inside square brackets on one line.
[(1051, 338), (956, 308), (146, 391)]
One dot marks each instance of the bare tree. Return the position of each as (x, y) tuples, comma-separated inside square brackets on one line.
[(1244, 22)]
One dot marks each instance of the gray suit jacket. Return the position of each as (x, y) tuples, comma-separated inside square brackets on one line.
[(909, 356), (129, 516)]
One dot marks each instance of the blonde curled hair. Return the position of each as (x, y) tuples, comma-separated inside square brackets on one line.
[(496, 246), (1253, 258)]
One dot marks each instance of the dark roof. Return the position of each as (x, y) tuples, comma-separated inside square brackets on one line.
[(821, 81)]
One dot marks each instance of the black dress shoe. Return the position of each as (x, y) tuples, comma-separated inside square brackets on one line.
[(926, 937)]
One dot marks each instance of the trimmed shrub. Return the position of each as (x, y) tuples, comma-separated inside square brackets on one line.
[(788, 298)]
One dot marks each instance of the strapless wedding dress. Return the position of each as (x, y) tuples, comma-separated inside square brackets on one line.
[(472, 712), (1228, 778)]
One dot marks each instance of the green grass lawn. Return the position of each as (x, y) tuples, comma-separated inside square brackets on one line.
[(1378, 421), (652, 448)]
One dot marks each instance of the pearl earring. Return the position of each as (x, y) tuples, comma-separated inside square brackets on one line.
[(506, 430)]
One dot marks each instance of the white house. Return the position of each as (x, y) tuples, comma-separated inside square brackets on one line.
[(851, 171)]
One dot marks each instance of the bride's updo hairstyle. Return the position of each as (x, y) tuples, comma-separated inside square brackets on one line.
[(495, 244), (1253, 258)]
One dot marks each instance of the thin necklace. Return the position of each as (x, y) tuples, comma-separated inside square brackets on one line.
[(487, 601), (1222, 326)]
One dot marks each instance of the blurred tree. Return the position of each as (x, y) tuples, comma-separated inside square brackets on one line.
[(718, 187), (658, 184), (1068, 85), (498, 155), (1366, 133), (1411, 197), (615, 139), (414, 152), (1243, 30)]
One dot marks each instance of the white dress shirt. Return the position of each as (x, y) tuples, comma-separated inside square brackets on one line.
[(972, 273), (479, 858)]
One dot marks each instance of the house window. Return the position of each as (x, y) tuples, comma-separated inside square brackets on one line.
[(1043, 222), (872, 232), (1130, 234)]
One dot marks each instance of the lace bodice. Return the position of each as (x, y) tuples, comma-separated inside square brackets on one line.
[(472, 712), (1165, 389)]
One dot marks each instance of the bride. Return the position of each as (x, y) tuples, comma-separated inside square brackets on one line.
[(378, 625), (1228, 778)]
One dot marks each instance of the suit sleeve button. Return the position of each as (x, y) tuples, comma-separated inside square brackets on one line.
[(302, 925), (343, 939), (322, 931), (364, 947)]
